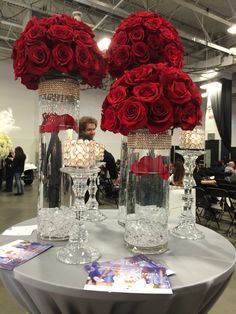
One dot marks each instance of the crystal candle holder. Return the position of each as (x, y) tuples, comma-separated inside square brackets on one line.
[(192, 142), (78, 250), (93, 213)]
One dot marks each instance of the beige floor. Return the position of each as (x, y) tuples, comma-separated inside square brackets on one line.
[(14, 209)]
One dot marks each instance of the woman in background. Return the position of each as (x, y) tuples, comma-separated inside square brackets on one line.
[(178, 174), (9, 172), (18, 168)]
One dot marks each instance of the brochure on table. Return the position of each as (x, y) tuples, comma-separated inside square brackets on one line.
[(20, 251), (135, 274)]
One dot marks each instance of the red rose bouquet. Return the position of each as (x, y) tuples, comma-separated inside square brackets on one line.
[(57, 44), (141, 38), (152, 96)]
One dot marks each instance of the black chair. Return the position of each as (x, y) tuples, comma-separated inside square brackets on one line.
[(221, 182), (218, 201), (232, 212), (222, 175), (227, 186), (202, 202)]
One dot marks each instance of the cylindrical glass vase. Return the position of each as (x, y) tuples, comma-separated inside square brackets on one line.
[(146, 226), (122, 210), (59, 114)]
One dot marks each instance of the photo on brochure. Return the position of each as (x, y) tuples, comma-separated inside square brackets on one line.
[(20, 251), (135, 274)]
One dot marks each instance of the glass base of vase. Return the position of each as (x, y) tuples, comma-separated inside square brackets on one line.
[(95, 216), (74, 254), (147, 250), (187, 230)]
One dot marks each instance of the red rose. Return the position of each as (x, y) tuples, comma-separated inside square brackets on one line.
[(83, 57), (173, 55), (120, 38), (118, 82), (176, 84), (136, 34), (34, 35), (148, 92), (141, 52), (187, 116), (132, 114), (130, 22), (61, 33), (153, 24), (19, 58), (109, 121), (66, 122), (30, 81), (77, 25), (116, 95), (120, 59), (143, 14), (63, 58), (50, 123), (196, 95), (138, 75), (32, 22), (168, 33), (84, 38), (160, 116), (39, 59), (154, 41), (139, 168), (160, 168)]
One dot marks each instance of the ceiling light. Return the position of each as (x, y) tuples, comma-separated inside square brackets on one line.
[(211, 87), (104, 43), (232, 29)]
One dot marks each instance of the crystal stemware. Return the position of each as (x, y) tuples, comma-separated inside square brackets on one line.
[(78, 250), (93, 213), (186, 228)]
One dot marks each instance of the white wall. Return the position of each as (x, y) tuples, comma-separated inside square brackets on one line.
[(24, 104)]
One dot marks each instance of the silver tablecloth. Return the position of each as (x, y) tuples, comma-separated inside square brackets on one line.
[(203, 269)]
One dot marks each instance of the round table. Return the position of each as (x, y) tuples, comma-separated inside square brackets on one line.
[(45, 285)]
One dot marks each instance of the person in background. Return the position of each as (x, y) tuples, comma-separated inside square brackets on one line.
[(18, 168), (230, 167), (87, 131), (178, 174), (9, 172)]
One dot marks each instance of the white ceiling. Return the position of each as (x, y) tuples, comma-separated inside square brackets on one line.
[(202, 25)]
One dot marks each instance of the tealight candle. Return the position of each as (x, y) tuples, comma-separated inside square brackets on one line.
[(194, 139), (82, 153)]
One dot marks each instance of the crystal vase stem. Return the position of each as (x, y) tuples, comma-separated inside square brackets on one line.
[(186, 228)]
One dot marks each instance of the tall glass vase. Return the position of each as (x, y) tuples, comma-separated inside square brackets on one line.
[(58, 120), (122, 210), (78, 250), (146, 226), (186, 228)]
